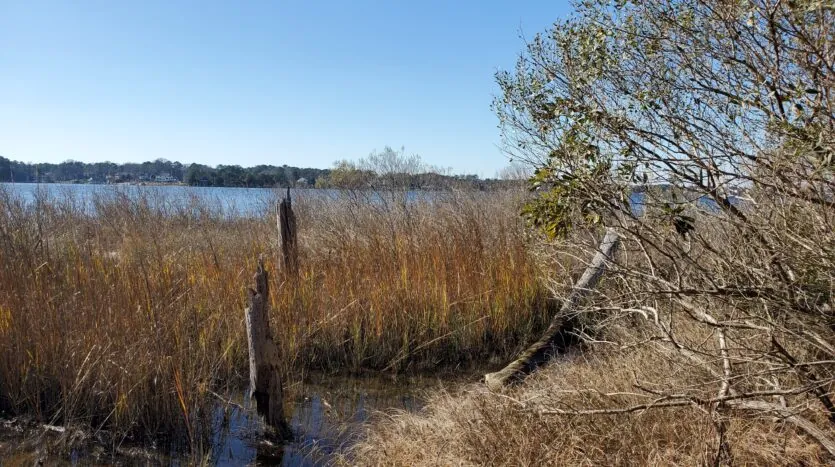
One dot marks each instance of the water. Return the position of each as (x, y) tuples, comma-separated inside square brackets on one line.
[(638, 202), (233, 202), (327, 415), (242, 201)]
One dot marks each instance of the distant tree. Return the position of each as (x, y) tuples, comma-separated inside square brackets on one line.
[(516, 171), (69, 170), (194, 174), (346, 174), (5, 170)]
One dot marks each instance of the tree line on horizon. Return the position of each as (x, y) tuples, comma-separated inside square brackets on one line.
[(259, 176), (192, 174)]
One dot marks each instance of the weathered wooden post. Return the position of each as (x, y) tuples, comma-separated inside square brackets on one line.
[(264, 371), (287, 235), (561, 324)]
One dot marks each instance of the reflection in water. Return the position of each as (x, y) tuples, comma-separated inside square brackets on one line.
[(326, 416)]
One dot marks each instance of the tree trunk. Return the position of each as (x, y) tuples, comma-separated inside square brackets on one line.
[(559, 335), (264, 372), (287, 235)]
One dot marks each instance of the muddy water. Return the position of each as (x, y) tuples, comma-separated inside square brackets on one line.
[(327, 415)]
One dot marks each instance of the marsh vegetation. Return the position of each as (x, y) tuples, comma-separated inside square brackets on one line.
[(710, 339), (124, 313)]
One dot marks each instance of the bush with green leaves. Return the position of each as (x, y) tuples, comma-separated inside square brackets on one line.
[(703, 131)]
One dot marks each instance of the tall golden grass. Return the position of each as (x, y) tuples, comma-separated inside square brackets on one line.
[(123, 312)]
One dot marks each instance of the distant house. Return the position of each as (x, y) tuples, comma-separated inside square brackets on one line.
[(301, 182), (165, 177)]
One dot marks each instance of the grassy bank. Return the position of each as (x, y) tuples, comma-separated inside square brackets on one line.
[(122, 314), (523, 426)]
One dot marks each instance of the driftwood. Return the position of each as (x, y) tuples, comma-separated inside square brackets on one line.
[(264, 372), (286, 221), (558, 335)]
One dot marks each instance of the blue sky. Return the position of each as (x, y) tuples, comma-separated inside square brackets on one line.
[(297, 83)]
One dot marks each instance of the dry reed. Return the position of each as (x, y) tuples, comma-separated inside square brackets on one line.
[(473, 426), (122, 312)]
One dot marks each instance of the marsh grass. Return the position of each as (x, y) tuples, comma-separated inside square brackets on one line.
[(474, 426), (122, 312)]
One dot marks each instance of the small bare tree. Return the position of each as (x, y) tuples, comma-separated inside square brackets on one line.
[(516, 171), (703, 132)]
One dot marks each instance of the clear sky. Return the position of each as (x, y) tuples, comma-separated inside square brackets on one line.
[(302, 83)]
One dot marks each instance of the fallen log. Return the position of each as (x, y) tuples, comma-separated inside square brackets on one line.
[(264, 372), (559, 332)]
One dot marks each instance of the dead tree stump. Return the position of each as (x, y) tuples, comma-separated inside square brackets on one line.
[(286, 221), (558, 333), (264, 371)]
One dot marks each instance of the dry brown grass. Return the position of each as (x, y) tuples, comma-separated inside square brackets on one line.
[(123, 319), (474, 426), (649, 346)]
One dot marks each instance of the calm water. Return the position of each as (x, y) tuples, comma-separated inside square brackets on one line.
[(244, 201), (230, 201), (327, 415)]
